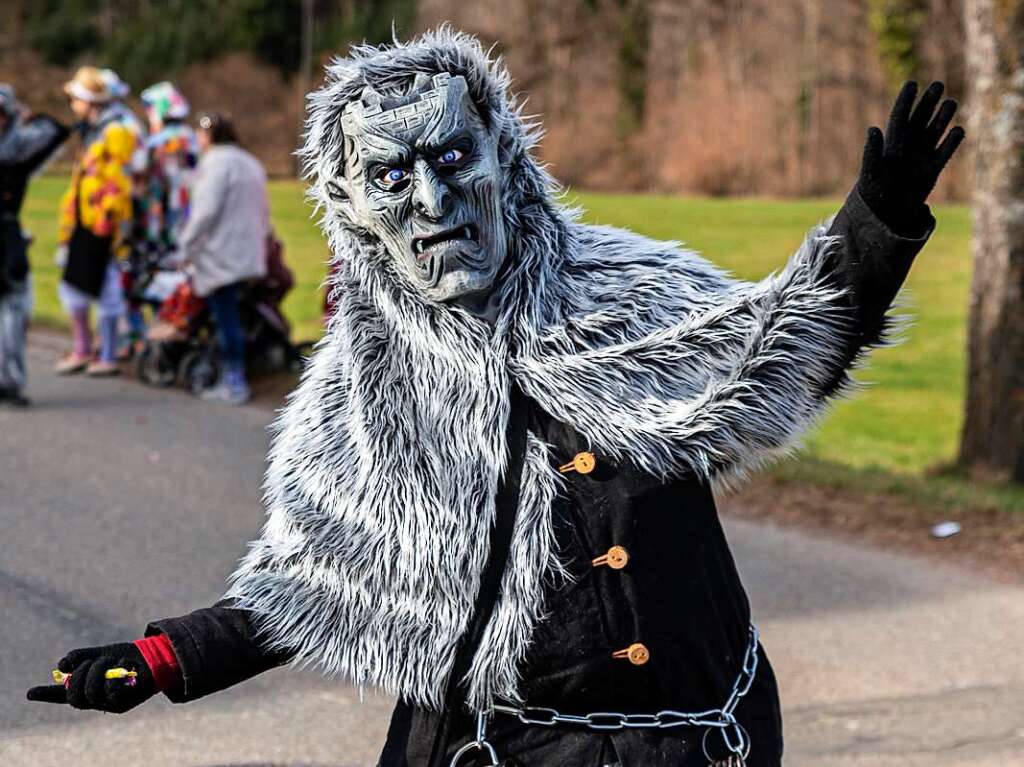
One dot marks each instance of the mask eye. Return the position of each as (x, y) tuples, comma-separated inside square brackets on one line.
[(393, 179), (451, 156)]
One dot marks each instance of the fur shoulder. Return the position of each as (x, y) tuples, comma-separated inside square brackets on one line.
[(615, 285)]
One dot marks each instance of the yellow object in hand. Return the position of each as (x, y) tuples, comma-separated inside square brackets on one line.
[(112, 673), (120, 673)]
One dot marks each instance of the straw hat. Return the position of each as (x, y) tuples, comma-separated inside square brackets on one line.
[(89, 85)]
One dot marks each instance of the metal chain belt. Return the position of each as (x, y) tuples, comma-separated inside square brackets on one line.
[(735, 737)]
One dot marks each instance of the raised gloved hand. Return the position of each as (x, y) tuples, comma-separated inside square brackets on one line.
[(88, 688), (900, 168)]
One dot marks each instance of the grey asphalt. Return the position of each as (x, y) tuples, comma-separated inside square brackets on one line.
[(120, 504)]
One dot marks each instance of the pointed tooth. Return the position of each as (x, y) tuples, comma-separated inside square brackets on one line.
[(467, 233)]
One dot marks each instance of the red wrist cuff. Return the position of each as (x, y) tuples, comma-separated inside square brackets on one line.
[(163, 663)]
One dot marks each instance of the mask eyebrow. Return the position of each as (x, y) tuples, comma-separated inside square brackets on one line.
[(386, 150), (433, 143)]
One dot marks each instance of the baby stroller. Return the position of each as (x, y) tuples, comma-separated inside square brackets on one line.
[(149, 278), (181, 346)]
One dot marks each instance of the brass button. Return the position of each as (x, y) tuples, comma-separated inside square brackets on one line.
[(636, 653), (616, 558), (584, 463)]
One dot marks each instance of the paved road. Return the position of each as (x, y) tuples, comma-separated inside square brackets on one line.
[(120, 504)]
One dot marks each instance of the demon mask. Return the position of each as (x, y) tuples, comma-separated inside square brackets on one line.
[(421, 174)]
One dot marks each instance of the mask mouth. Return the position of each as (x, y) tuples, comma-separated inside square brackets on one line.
[(426, 248)]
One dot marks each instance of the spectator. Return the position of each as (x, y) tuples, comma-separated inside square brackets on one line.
[(119, 91), (95, 214), (171, 157), (162, 187), (224, 242), (26, 142)]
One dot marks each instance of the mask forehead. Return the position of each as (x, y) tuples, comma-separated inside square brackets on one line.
[(438, 109)]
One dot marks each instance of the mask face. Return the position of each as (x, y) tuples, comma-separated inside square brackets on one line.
[(422, 175)]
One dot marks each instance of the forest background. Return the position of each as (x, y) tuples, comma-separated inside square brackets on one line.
[(719, 97)]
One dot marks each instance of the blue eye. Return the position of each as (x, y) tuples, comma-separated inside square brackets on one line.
[(452, 155), (393, 179)]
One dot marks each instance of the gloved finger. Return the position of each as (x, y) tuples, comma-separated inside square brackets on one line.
[(926, 106), (96, 683), (942, 120), (76, 687), (51, 693), (949, 146), (900, 115), (874, 147), (69, 662)]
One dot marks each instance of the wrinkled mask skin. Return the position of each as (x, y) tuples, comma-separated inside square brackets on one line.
[(422, 176)]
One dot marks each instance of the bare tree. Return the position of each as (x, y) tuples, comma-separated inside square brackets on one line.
[(993, 437)]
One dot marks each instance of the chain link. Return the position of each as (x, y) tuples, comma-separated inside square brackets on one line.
[(720, 718)]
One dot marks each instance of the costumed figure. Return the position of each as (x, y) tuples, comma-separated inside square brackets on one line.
[(27, 141), (171, 157), (96, 214), (492, 493), (119, 91), (162, 188)]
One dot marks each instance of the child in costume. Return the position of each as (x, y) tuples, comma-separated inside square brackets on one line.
[(171, 157), (162, 184), (492, 493)]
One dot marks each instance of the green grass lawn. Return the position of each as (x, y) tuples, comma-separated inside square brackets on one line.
[(905, 422)]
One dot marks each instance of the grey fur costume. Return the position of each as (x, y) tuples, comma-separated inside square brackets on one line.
[(384, 466)]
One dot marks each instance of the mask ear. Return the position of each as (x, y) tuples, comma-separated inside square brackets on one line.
[(337, 193), (342, 200)]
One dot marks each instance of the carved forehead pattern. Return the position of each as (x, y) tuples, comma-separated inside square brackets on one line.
[(406, 116)]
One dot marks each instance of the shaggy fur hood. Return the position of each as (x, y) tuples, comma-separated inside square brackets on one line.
[(385, 463)]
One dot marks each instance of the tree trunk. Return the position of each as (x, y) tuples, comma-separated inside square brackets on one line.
[(992, 442)]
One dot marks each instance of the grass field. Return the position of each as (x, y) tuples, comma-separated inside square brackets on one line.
[(903, 424)]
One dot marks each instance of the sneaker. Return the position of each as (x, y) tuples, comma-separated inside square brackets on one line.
[(101, 369), (71, 364), (14, 398), (224, 394)]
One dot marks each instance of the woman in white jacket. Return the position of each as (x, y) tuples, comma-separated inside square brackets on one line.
[(224, 242)]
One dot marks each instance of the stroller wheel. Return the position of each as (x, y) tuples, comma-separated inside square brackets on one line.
[(154, 366), (198, 370)]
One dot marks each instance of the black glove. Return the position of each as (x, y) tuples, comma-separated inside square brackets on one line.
[(900, 169), (89, 689)]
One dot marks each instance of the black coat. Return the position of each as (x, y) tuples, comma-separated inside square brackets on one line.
[(670, 585)]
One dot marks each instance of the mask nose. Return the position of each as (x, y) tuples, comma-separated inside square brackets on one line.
[(430, 196)]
